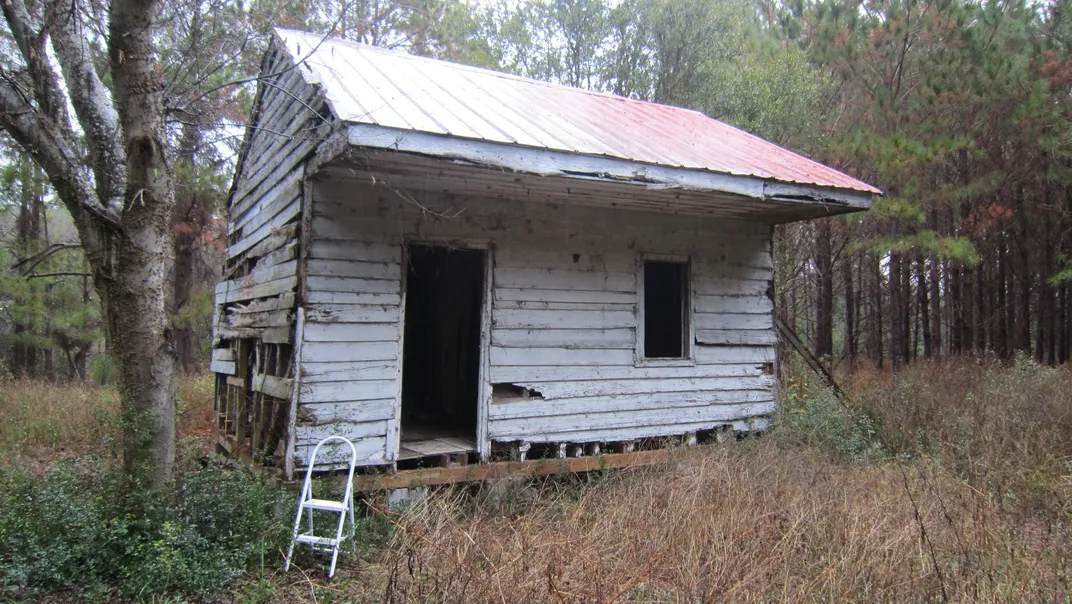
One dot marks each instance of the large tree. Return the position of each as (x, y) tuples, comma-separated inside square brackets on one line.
[(122, 203)]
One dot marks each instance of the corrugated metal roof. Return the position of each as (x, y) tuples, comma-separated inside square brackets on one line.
[(371, 85)]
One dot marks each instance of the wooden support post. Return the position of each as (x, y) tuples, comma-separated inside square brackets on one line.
[(690, 439), (593, 449), (523, 450), (562, 450), (576, 450)]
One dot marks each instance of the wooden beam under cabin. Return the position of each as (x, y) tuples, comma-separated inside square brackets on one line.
[(508, 469)]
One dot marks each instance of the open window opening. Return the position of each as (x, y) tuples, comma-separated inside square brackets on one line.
[(666, 310), (441, 350)]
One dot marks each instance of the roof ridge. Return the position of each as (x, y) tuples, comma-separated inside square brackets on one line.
[(484, 70)]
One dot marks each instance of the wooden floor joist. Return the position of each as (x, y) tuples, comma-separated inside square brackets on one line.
[(508, 469)]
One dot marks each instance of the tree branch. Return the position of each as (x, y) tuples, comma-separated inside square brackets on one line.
[(42, 138), (60, 274), (40, 257), (92, 103)]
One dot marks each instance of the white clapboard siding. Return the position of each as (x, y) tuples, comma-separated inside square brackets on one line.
[(675, 427), (734, 354), (352, 313), (562, 319), (347, 411), (563, 315), (732, 321), (323, 297), (352, 268), (528, 429), (316, 352), (533, 294), (351, 332), (347, 371), (736, 337), (371, 450), (352, 249), (564, 279), (562, 338), (534, 408), (337, 392), (533, 375), (733, 304), (348, 285), (558, 356), (681, 386)]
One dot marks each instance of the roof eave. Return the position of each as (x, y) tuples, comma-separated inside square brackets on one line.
[(814, 200)]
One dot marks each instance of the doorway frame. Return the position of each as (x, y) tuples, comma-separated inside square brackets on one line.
[(394, 426)]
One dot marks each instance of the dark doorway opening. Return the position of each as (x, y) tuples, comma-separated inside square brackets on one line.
[(441, 351)]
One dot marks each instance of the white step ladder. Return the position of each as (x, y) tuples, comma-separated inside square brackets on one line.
[(307, 504)]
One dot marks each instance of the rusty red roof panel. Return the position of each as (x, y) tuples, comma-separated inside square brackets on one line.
[(371, 85)]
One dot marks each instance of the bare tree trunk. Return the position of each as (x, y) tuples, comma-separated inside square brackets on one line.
[(924, 308), (824, 308), (135, 300), (850, 310)]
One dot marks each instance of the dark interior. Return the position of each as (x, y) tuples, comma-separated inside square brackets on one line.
[(664, 309), (441, 353)]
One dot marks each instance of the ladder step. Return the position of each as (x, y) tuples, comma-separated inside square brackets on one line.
[(324, 504), (328, 542)]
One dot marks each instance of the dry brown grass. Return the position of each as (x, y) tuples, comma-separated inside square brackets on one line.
[(748, 524), (41, 422), (957, 490)]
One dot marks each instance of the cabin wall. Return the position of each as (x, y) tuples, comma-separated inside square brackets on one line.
[(563, 317), (255, 304)]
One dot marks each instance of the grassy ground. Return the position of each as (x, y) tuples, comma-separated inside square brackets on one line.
[(952, 481)]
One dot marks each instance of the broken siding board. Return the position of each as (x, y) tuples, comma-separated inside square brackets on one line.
[(286, 215), (532, 430), (358, 390), (563, 338), (534, 409), (258, 276), (222, 354), (227, 367), (270, 205), (351, 332), (272, 385), (271, 318), (278, 238), (260, 290), (284, 254), (562, 319), (348, 371), (348, 411), (316, 352)]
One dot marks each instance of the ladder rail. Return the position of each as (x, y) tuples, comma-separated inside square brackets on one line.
[(346, 509)]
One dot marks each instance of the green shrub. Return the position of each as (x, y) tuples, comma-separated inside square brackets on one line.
[(71, 529), (813, 416)]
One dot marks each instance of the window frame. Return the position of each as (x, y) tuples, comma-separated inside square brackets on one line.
[(687, 311)]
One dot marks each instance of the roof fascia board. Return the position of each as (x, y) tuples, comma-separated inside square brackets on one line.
[(549, 162)]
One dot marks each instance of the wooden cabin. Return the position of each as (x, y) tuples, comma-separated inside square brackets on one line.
[(440, 262)]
